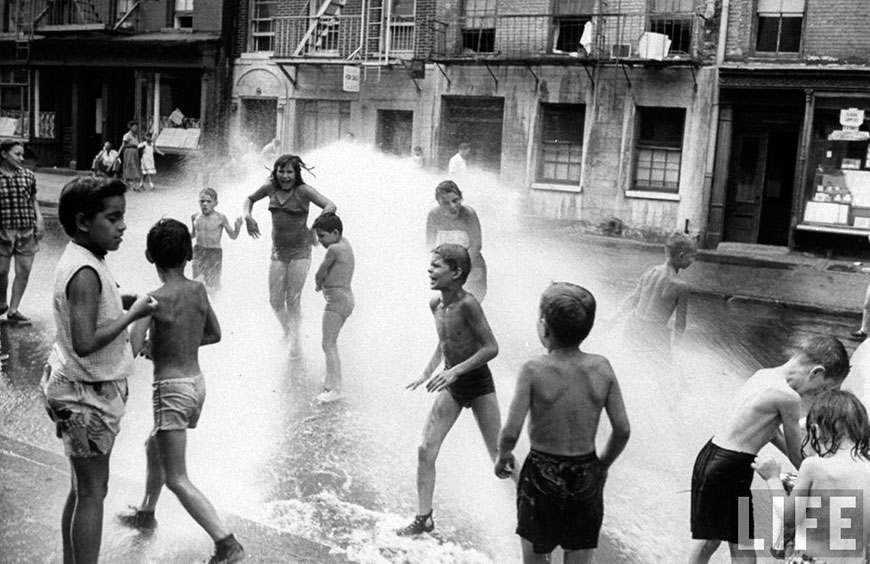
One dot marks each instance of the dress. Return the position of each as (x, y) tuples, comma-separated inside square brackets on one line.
[(132, 171), (147, 159)]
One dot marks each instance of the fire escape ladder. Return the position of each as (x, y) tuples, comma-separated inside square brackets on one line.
[(123, 18), (329, 9), (87, 12)]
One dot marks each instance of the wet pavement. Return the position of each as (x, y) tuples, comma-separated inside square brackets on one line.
[(301, 482)]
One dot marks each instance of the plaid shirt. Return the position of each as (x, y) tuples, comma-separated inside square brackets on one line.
[(17, 192)]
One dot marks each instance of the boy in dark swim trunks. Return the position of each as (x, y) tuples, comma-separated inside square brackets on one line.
[(723, 469), (466, 344), (560, 494)]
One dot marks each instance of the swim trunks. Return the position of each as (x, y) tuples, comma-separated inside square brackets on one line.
[(471, 385), (87, 415), (560, 501), (339, 300), (177, 403), (208, 263), (18, 242), (719, 479)]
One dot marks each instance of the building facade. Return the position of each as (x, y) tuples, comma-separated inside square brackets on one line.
[(73, 73)]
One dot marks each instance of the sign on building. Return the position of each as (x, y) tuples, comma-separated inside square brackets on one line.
[(351, 79)]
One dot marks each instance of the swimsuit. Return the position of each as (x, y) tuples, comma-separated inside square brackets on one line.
[(719, 479), (208, 263), (339, 300), (471, 385), (291, 238), (560, 501)]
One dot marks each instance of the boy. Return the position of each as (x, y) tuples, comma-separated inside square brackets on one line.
[(723, 469), (659, 294), (85, 381), (182, 322), (333, 278), (466, 344), (560, 495), (208, 226)]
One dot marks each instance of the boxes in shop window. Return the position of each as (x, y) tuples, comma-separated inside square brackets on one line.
[(859, 217), (826, 212)]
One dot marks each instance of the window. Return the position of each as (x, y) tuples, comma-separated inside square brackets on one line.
[(673, 18), (659, 149), (569, 21), (562, 127), (779, 26), (184, 14), (262, 25), (402, 25), (478, 26), (14, 120)]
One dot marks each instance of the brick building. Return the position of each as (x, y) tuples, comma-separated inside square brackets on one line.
[(73, 73)]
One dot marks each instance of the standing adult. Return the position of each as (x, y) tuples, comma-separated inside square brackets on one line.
[(457, 168), (453, 222), (21, 226), (289, 198), (132, 167)]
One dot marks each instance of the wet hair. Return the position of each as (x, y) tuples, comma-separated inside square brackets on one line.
[(168, 243), (569, 311), (825, 351), (446, 187), (464, 146), (328, 222), (7, 144), (456, 257), (282, 161), (677, 243), (836, 415), (85, 195), (209, 192)]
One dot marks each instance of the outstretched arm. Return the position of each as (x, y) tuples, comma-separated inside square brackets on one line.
[(248, 207), (233, 230)]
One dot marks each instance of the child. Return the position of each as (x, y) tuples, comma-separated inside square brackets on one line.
[(333, 277), (85, 381), (560, 495), (839, 432), (466, 344), (723, 469), (182, 322), (208, 226), (148, 168), (106, 161), (659, 294)]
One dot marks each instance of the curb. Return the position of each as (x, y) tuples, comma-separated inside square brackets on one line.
[(774, 302)]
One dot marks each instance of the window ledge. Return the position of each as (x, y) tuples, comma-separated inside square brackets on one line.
[(257, 55), (553, 187), (644, 195)]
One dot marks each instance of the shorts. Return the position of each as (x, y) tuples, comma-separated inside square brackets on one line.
[(560, 501), (87, 415), (18, 242), (177, 403), (470, 386), (208, 263), (719, 479), (339, 300)]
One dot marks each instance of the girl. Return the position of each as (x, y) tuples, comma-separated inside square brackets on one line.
[(289, 198), (132, 169), (148, 169), (453, 222), (838, 431)]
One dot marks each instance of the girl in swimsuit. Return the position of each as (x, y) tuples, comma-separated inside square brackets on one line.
[(289, 198), (453, 222)]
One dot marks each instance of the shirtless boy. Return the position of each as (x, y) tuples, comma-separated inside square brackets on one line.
[(723, 469), (560, 495), (466, 344), (182, 322), (208, 226), (333, 278)]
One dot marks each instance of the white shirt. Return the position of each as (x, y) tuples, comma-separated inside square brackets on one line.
[(457, 166)]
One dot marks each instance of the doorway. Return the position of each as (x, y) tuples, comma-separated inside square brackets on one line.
[(259, 120), (394, 131), (472, 119)]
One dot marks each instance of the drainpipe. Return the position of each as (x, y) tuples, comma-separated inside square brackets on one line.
[(714, 111)]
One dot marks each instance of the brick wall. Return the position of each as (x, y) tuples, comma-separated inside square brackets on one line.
[(207, 15), (240, 41)]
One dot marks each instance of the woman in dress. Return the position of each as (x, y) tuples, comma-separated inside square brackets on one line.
[(453, 222), (132, 168)]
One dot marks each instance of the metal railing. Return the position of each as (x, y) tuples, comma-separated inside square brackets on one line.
[(73, 13), (340, 36)]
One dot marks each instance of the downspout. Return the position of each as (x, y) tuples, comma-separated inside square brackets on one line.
[(714, 115)]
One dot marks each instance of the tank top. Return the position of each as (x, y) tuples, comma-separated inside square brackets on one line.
[(291, 238), (112, 362)]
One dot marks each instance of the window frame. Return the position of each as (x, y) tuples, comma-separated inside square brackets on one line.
[(760, 11), (545, 141), (654, 147), (254, 35), (16, 80)]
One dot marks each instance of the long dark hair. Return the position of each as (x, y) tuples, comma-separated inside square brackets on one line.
[(834, 416), (295, 161)]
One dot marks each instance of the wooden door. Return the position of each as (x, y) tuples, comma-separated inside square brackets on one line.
[(743, 210)]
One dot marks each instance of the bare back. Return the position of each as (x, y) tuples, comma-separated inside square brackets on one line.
[(658, 294), (182, 317)]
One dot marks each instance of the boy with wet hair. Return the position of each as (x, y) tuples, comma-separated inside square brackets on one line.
[(560, 494), (85, 381), (333, 278), (466, 344), (208, 226), (723, 469), (182, 322)]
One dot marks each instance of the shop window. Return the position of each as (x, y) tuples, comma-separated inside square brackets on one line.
[(263, 25), (779, 24), (183, 14), (478, 26), (675, 19), (561, 155), (659, 149), (14, 118), (179, 109)]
